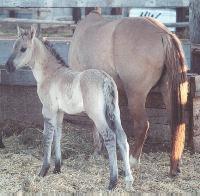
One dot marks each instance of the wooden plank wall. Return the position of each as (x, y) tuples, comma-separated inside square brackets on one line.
[(94, 3), (195, 111), (23, 80)]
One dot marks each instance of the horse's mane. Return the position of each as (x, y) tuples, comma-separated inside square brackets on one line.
[(53, 51)]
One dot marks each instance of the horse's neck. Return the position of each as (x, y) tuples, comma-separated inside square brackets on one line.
[(45, 63)]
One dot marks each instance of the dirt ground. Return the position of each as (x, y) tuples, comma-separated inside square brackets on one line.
[(20, 162)]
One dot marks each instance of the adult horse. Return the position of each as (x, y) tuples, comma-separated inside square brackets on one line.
[(138, 52)]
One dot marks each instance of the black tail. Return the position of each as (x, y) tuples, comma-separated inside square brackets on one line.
[(110, 97)]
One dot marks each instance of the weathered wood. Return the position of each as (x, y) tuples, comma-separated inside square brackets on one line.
[(194, 85), (196, 116), (196, 141), (20, 77), (194, 25), (181, 16), (36, 21), (94, 3), (20, 104), (76, 13)]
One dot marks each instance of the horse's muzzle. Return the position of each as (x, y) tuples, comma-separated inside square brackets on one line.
[(10, 67)]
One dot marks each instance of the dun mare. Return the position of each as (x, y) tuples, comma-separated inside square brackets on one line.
[(137, 53), (62, 90)]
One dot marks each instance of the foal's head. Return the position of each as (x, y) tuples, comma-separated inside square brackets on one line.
[(22, 50)]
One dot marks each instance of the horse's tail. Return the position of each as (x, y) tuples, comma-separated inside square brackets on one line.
[(178, 87), (111, 99)]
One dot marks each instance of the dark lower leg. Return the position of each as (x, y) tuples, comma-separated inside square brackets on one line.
[(98, 142), (110, 143), (57, 145)]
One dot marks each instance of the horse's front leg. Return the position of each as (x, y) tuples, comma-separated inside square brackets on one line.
[(48, 133), (57, 139)]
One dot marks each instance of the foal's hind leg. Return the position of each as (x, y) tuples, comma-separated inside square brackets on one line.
[(136, 106), (109, 138), (124, 149), (98, 143), (57, 139)]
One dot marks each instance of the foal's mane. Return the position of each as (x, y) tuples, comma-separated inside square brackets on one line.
[(53, 51)]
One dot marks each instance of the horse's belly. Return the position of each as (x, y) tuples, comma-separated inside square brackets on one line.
[(73, 104), (72, 107)]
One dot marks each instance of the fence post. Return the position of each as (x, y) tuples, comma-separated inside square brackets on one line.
[(194, 24)]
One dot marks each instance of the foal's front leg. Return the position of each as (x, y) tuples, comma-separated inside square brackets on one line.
[(48, 133), (57, 139)]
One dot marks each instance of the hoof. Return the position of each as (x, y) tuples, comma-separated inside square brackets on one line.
[(44, 170), (57, 168), (175, 172), (129, 182), (133, 162), (121, 172), (56, 171), (2, 145), (112, 185)]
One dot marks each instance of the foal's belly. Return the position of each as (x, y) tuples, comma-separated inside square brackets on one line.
[(71, 107), (71, 103)]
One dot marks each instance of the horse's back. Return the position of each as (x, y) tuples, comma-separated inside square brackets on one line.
[(131, 48), (92, 44)]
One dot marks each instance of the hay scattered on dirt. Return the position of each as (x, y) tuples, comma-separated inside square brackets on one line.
[(20, 162)]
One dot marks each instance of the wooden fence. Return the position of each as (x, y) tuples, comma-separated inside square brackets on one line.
[(18, 89)]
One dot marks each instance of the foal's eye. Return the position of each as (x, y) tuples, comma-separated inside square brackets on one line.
[(23, 49)]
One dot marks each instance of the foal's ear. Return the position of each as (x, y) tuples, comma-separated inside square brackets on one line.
[(20, 31), (33, 31)]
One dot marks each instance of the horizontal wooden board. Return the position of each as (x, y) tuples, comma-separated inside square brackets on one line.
[(20, 77), (35, 21), (94, 3)]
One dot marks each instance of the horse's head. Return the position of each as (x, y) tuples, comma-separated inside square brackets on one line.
[(22, 52)]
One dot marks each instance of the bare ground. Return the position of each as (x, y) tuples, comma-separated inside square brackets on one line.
[(20, 162)]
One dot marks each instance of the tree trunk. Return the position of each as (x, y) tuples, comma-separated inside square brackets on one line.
[(194, 24)]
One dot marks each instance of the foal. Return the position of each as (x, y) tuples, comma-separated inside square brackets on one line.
[(63, 90)]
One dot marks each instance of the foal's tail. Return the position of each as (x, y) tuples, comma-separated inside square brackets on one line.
[(111, 99), (176, 70)]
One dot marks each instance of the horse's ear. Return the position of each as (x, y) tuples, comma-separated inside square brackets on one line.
[(20, 31), (33, 31)]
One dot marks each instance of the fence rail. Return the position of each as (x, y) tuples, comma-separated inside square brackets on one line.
[(94, 3), (36, 21), (70, 22)]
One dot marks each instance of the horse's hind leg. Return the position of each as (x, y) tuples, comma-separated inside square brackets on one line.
[(109, 138), (124, 149), (98, 143), (136, 104), (57, 139)]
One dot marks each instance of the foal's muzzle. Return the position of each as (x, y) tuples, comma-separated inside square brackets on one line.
[(10, 67)]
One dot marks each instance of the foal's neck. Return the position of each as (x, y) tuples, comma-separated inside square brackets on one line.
[(45, 64)]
